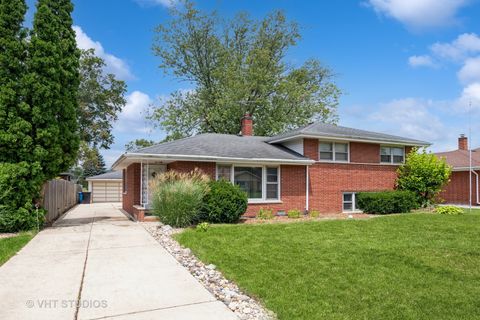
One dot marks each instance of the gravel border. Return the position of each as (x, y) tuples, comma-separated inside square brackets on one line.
[(244, 307)]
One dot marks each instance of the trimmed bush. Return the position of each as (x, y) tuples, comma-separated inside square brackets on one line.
[(265, 214), (178, 197), (224, 203), (294, 214), (449, 210), (387, 202)]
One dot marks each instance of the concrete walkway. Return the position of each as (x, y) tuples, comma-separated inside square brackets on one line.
[(95, 263)]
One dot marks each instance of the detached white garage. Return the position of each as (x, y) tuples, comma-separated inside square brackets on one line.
[(106, 187)]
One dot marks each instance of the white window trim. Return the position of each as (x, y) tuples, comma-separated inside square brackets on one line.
[(333, 151), (354, 207), (264, 180), (391, 154)]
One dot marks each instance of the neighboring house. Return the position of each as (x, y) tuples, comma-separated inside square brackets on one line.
[(457, 190), (319, 166), (106, 187)]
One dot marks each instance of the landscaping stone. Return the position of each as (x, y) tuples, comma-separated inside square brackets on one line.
[(224, 290)]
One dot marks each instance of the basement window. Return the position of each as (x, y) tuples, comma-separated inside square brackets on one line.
[(349, 202)]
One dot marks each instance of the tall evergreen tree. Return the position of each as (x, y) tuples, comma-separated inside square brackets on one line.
[(19, 184), (53, 86), (93, 163), (15, 127)]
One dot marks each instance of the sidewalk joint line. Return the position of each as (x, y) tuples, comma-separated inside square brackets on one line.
[(77, 307)]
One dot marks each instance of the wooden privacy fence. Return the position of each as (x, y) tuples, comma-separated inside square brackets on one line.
[(59, 196)]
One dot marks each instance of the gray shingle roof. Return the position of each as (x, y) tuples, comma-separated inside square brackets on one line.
[(107, 176), (324, 129), (223, 145)]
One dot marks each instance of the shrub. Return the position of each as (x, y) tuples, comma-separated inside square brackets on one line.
[(18, 188), (177, 197), (294, 214), (314, 213), (224, 203), (265, 214), (203, 226), (424, 174), (449, 210), (387, 202)]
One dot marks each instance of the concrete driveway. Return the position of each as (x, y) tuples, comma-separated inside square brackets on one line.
[(95, 263)]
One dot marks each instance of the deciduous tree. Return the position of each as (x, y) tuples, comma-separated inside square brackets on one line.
[(138, 143), (238, 66), (101, 98)]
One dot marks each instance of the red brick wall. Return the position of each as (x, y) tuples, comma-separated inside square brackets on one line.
[(132, 195), (310, 148), (188, 166), (456, 191), (364, 152), (292, 192), (328, 181)]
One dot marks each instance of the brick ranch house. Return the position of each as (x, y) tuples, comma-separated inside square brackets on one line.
[(457, 190), (319, 166)]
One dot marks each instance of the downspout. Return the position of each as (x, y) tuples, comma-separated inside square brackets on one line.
[(476, 187), (307, 187)]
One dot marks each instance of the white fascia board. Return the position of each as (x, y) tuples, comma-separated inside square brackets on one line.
[(341, 138), (114, 180), (179, 157)]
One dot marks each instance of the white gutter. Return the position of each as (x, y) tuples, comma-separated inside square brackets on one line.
[(307, 185), (182, 157), (476, 187), (465, 168), (116, 180), (346, 138)]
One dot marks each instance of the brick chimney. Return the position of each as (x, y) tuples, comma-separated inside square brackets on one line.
[(462, 142), (247, 125)]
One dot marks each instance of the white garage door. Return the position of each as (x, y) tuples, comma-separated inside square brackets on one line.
[(106, 191)]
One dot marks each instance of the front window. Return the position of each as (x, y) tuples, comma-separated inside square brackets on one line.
[(260, 183), (333, 151), (272, 183), (250, 180), (349, 202), (224, 172), (392, 155)]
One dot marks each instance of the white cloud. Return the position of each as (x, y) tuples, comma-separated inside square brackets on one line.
[(114, 64), (470, 71), (466, 44), (470, 98), (132, 118), (411, 118), (419, 14), (421, 61), (165, 3)]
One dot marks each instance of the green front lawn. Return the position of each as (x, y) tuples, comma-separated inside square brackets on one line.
[(412, 266), (10, 246)]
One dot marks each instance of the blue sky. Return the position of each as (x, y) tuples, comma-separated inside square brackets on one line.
[(407, 67)]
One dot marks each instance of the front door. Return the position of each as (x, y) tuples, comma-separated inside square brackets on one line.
[(149, 173)]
